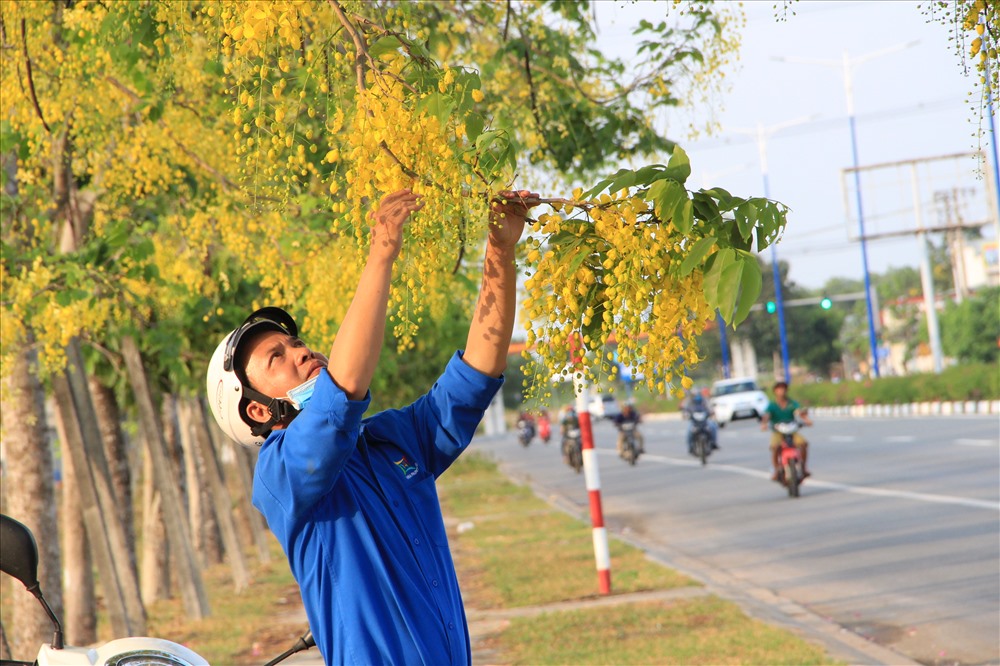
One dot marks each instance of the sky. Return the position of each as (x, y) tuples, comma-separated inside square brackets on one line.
[(909, 104)]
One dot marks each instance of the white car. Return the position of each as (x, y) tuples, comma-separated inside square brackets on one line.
[(734, 399), (604, 406)]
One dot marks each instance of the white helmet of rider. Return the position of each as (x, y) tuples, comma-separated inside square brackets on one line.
[(229, 392)]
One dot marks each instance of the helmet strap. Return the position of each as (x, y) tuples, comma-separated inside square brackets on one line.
[(279, 409)]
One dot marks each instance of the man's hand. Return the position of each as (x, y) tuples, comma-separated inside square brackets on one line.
[(389, 218), (507, 213)]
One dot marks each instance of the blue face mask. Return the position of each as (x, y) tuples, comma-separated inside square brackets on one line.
[(300, 395)]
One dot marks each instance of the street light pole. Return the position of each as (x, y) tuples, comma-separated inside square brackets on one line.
[(847, 63), (761, 134)]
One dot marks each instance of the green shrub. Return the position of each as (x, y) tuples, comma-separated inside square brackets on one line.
[(974, 381)]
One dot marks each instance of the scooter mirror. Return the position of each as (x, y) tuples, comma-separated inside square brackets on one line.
[(18, 552)]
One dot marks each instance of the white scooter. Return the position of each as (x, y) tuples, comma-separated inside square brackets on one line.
[(19, 558)]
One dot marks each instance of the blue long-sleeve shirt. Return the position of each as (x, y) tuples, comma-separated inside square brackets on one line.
[(354, 505)]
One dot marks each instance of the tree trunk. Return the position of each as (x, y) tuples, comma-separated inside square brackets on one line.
[(92, 449), (155, 580), (30, 499), (201, 517), (90, 507), (184, 562), (243, 463), (109, 422), (221, 500), (80, 616)]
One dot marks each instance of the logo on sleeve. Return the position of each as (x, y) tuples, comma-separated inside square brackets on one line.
[(406, 467)]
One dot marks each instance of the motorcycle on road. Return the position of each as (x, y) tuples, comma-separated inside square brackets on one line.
[(702, 440), (525, 432), (630, 446), (791, 471), (572, 448)]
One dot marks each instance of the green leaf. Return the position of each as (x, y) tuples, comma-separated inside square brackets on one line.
[(384, 45), (623, 178), (714, 268), (666, 196), (683, 216), (694, 258), (474, 123), (67, 297), (648, 174), (156, 111), (706, 209), (679, 165), (729, 288), (117, 234), (724, 199), (143, 249), (437, 105), (750, 286)]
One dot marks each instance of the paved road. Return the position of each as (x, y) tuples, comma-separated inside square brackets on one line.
[(896, 535)]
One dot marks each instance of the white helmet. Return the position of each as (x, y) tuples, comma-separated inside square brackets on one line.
[(229, 392)]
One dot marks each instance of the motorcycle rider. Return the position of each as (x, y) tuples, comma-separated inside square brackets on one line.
[(544, 426), (785, 410), (629, 414), (526, 424), (696, 402), (568, 421)]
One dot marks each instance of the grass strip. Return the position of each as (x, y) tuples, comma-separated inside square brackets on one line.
[(706, 630), (247, 628), (514, 550)]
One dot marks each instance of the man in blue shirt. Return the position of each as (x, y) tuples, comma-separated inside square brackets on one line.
[(353, 501)]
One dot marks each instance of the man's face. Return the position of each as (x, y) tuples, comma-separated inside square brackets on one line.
[(779, 392), (277, 363)]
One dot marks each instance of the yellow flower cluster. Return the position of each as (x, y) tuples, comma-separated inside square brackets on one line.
[(393, 145), (304, 126), (250, 24), (606, 280)]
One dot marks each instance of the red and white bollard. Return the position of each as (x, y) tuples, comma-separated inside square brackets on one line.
[(593, 479)]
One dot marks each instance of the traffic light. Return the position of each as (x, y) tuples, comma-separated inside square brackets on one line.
[(771, 307), (826, 303)]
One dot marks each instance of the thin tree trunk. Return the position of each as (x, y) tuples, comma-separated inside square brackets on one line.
[(189, 575), (93, 450), (221, 500), (80, 617), (109, 422), (93, 515), (243, 464), (155, 572), (200, 515), (30, 499)]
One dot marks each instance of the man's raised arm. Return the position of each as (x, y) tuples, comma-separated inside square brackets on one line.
[(493, 319), (356, 349)]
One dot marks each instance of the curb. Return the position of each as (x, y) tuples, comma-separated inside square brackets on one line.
[(895, 410), (949, 408)]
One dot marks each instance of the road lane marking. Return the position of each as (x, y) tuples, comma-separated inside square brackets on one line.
[(842, 438), (899, 438), (977, 442), (831, 485)]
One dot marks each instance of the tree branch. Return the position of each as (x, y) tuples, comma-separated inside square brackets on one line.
[(31, 79), (360, 50)]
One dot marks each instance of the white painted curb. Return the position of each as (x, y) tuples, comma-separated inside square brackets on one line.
[(956, 408)]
